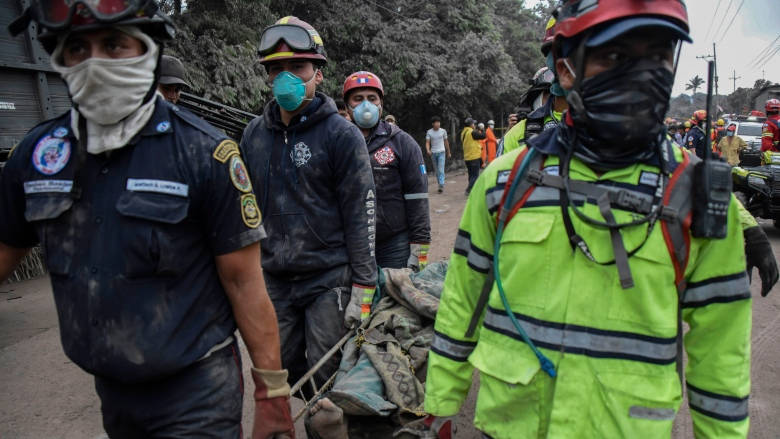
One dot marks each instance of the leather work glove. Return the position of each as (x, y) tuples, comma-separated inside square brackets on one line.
[(442, 426), (359, 306), (758, 253), (418, 256), (272, 405)]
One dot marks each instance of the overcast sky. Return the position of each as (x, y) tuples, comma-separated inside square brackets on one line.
[(753, 30)]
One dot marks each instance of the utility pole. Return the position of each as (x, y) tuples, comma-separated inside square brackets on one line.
[(714, 57), (734, 78)]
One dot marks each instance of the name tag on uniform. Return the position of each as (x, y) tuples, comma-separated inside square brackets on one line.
[(159, 186), (648, 178), (44, 186)]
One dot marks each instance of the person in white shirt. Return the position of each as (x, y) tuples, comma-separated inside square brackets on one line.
[(436, 144)]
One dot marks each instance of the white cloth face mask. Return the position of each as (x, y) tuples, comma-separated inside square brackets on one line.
[(107, 90)]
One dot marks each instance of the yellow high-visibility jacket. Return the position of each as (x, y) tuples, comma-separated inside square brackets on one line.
[(614, 349)]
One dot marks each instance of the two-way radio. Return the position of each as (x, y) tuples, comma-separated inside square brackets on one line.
[(712, 177)]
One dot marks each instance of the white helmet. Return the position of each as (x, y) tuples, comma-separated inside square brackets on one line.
[(491, 123), (481, 126)]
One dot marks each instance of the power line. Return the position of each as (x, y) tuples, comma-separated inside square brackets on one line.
[(764, 51), (712, 21), (769, 58), (728, 28), (725, 15)]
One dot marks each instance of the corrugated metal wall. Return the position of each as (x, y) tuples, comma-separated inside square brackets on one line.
[(30, 91)]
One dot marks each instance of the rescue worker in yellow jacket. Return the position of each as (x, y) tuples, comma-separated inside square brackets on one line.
[(575, 266), (472, 150)]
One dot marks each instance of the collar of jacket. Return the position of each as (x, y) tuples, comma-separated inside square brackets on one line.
[(381, 133), (319, 108), (550, 142)]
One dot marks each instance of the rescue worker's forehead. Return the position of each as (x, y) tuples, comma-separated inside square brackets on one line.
[(365, 92), (288, 64)]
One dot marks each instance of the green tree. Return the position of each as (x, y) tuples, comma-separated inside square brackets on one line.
[(454, 58), (694, 84)]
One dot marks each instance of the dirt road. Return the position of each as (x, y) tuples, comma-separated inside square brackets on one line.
[(44, 395)]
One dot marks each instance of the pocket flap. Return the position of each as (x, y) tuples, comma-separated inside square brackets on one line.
[(45, 207), (154, 207), (512, 365), (528, 227)]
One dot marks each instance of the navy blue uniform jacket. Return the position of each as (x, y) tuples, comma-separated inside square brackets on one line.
[(130, 239), (401, 184), (313, 179)]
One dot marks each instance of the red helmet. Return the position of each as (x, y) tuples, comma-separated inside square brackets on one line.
[(699, 115), (290, 38), (577, 16), (772, 105), (731, 127), (362, 79)]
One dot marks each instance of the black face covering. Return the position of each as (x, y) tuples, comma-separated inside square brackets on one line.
[(618, 114)]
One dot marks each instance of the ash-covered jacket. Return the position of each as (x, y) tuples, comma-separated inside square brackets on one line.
[(314, 185), (401, 184)]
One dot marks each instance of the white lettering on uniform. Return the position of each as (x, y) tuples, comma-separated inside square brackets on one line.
[(158, 186), (43, 186)]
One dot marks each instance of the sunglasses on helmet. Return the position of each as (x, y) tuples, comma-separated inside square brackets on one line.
[(296, 37), (59, 14)]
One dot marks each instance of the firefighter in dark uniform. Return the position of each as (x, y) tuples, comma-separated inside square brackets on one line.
[(150, 228), (403, 229), (697, 138), (313, 177)]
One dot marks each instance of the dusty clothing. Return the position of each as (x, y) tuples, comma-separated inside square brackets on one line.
[(382, 370), (310, 314), (130, 239), (204, 400), (729, 147), (401, 185), (314, 185)]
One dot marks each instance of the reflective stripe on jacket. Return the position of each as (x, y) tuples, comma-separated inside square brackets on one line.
[(614, 349)]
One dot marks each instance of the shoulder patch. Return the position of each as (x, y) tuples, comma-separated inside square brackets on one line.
[(250, 213), (239, 175), (225, 150)]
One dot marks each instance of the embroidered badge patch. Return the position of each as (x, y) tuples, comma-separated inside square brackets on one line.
[(163, 126), (225, 150), (239, 175), (50, 155), (250, 213), (60, 132), (300, 154), (384, 155), (422, 169)]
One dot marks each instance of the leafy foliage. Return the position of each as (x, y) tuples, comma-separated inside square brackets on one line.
[(694, 83), (452, 58)]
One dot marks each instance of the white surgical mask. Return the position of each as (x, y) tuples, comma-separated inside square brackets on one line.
[(107, 90)]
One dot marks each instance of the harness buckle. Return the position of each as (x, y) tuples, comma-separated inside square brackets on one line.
[(669, 214), (632, 201), (535, 176)]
